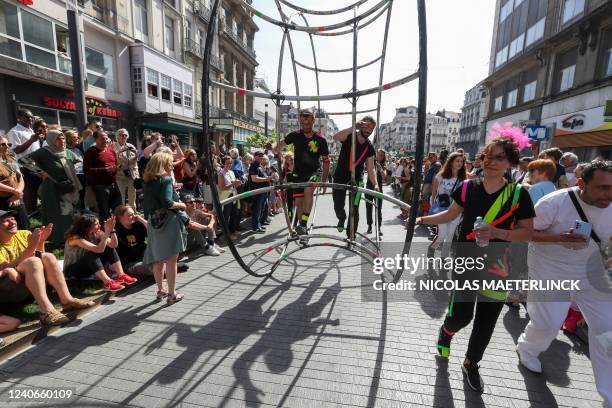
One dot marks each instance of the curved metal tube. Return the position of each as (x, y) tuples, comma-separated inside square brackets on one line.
[(322, 12), (348, 95), (334, 71), (306, 29), (350, 30), (350, 113)]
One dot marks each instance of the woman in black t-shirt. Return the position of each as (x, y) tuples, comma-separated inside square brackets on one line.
[(475, 198)]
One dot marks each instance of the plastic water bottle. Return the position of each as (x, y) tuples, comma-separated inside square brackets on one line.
[(477, 225)]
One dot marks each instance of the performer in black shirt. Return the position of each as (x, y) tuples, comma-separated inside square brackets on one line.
[(364, 157), (309, 147)]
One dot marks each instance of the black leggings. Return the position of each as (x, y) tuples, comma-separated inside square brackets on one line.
[(460, 314), (91, 263), (339, 196)]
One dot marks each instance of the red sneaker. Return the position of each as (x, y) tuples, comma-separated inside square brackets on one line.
[(573, 317), (113, 286), (126, 279)]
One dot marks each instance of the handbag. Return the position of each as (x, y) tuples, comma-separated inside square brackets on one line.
[(160, 216), (8, 177), (442, 202)]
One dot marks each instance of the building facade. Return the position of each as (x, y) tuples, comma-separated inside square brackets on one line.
[(143, 61), (399, 135), (551, 65), (473, 121)]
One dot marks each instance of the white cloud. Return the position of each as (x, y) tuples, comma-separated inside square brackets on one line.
[(459, 35)]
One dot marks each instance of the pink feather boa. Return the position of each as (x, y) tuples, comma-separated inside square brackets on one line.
[(507, 130)]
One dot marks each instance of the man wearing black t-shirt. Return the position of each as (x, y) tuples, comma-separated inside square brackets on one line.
[(309, 147), (364, 157)]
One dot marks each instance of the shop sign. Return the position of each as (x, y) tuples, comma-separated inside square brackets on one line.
[(537, 133), (574, 122), (95, 106)]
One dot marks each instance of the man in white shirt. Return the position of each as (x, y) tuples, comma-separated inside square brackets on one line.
[(25, 141), (558, 253)]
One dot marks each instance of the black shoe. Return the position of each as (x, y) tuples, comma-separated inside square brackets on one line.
[(369, 231), (444, 342), (340, 225), (301, 230), (182, 267), (472, 376), (380, 234)]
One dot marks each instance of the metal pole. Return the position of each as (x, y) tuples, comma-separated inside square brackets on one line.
[(354, 135), (266, 124), (76, 58), (420, 134)]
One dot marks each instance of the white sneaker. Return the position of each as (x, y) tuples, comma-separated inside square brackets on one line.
[(219, 249), (210, 250), (529, 361)]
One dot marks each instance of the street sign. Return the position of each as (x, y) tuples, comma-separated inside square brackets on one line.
[(537, 133)]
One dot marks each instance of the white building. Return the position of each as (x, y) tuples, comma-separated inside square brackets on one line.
[(473, 117)]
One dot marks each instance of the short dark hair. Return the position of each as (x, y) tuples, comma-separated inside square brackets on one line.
[(589, 170), (553, 152), (509, 147), (22, 113), (97, 133)]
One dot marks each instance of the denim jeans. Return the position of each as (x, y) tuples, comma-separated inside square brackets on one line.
[(258, 203)]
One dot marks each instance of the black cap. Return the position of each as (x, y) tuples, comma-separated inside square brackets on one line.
[(258, 153), (4, 213)]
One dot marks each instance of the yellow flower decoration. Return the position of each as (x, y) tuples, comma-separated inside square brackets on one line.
[(312, 146)]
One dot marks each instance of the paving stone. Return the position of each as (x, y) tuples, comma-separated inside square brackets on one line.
[(302, 338)]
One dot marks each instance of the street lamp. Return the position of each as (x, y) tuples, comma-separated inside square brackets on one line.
[(75, 59)]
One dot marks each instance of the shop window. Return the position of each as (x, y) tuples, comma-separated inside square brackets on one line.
[(67, 119), (137, 80), (178, 92), (99, 69), (152, 83), (166, 86)]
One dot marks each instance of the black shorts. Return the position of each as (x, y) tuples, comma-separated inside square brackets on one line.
[(299, 178)]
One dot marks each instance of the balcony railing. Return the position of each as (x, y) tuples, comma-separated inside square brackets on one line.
[(215, 61), (201, 10), (193, 47), (227, 29)]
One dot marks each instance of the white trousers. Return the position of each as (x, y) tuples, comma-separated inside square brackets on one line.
[(546, 319)]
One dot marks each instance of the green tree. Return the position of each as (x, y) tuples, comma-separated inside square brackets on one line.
[(259, 140)]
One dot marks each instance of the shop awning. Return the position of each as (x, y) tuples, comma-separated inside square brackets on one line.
[(583, 139)]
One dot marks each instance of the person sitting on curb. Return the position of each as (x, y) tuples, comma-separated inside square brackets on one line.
[(131, 231), (195, 236), (88, 249), (22, 255)]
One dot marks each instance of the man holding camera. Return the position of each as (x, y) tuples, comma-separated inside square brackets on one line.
[(25, 141), (128, 167)]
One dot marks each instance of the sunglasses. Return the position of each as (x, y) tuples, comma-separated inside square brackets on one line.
[(99, 127), (5, 145)]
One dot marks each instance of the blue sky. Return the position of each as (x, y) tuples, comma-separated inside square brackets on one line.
[(459, 34)]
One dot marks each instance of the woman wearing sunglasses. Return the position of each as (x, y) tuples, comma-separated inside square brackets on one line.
[(11, 184), (508, 215)]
